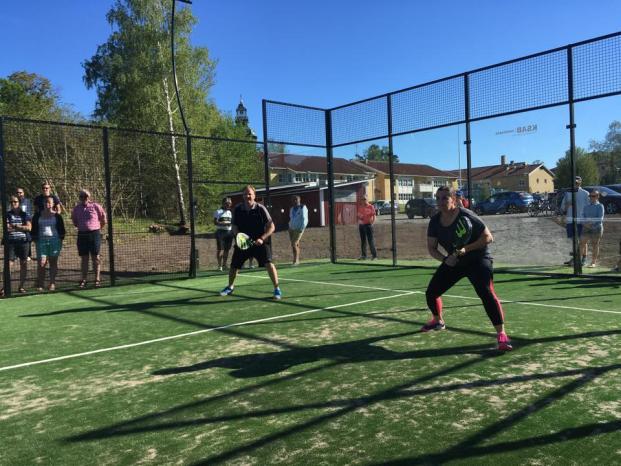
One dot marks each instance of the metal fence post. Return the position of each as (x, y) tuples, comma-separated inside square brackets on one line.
[(193, 252), (391, 171), (468, 142), (3, 198), (572, 160), (266, 157), (330, 163), (109, 213)]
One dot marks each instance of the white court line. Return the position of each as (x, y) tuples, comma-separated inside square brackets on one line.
[(197, 332), (524, 303)]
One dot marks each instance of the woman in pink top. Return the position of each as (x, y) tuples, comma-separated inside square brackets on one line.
[(89, 218), (366, 219)]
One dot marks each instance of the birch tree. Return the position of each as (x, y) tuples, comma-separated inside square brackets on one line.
[(132, 74)]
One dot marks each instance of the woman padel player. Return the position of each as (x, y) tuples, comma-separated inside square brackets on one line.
[(465, 238), (253, 219)]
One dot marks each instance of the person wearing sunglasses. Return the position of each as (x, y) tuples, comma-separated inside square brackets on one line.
[(40, 200), (18, 226)]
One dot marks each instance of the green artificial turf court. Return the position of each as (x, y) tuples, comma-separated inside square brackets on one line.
[(335, 373)]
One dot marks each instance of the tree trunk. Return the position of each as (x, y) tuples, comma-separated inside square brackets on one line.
[(171, 127)]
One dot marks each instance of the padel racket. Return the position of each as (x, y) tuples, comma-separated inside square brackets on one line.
[(243, 241)]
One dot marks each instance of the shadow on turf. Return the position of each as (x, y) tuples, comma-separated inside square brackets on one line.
[(468, 448)]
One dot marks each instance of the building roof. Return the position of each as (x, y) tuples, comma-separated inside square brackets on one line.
[(503, 171), (315, 164), (299, 188), (411, 169)]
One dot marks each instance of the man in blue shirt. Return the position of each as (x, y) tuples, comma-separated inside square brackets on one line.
[(298, 219), (592, 226)]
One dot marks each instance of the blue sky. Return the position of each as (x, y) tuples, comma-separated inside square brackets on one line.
[(327, 53)]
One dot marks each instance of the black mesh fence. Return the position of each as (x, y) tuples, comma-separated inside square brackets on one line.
[(518, 86), (597, 68), (504, 100), (428, 106)]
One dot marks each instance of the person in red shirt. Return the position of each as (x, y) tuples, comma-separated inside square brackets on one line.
[(462, 201), (366, 219)]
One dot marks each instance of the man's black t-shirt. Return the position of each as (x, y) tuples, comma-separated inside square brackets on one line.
[(251, 221), (446, 235)]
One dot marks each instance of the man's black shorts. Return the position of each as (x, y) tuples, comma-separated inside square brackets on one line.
[(89, 243), (263, 255), (19, 250), (224, 239)]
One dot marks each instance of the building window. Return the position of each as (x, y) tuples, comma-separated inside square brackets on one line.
[(522, 183)]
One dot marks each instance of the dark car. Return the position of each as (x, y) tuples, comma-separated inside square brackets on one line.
[(609, 198), (507, 202), (422, 207), (614, 187), (383, 207)]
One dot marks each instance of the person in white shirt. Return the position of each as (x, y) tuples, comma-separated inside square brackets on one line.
[(582, 199), (224, 232), (298, 219)]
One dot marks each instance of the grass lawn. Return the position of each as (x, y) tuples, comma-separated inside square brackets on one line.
[(335, 373)]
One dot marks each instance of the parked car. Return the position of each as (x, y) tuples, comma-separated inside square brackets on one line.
[(609, 198), (383, 207), (422, 207), (507, 202), (614, 187)]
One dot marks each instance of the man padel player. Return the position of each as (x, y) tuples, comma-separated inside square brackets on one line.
[(465, 238), (253, 219)]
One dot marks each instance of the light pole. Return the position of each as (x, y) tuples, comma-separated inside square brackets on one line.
[(174, 67)]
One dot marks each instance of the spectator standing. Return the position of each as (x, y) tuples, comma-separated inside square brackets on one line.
[(462, 201), (298, 220), (593, 226), (222, 218), (39, 201), (24, 203), (582, 199), (366, 219), (18, 225), (48, 232), (89, 218)]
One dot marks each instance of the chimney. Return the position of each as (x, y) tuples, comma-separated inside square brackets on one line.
[(503, 160)]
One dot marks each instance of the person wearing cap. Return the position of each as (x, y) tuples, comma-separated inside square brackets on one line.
[(366, 219), (582, 199), (89, 218), (461, 200)]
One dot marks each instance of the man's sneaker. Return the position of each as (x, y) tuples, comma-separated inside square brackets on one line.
[(504, 344), (277, 294), (220, 269), (433, 324), (226, 291)]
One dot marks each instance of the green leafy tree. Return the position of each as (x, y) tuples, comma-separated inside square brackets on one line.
[(586, 167), (132, 74), (29, 95), (607, 154), (377, 154)]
